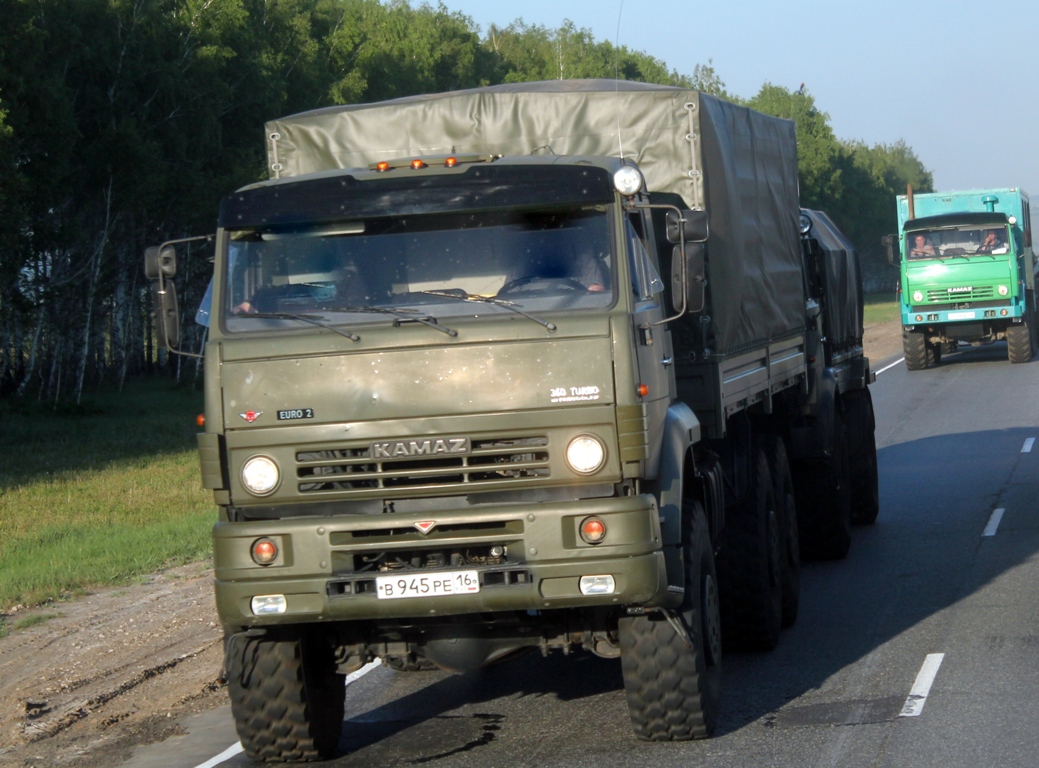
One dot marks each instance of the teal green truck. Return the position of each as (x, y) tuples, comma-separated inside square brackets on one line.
[(966, 273), (537, 367)]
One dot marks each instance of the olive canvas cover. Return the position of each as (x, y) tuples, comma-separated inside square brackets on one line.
[(842, 283), (738, 164)]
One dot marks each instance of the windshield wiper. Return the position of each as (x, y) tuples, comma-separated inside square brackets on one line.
[(317, 320), (401, 315), (509, 305)]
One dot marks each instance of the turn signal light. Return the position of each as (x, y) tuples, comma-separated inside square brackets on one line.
[(265, 551), (201, 419), (643, 390), (593, 530)]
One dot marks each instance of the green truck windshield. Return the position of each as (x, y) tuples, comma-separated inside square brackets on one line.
[(956, 241), (347, 271)]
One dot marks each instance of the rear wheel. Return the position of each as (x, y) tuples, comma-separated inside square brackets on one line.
[(823, 488), (786, 513), (865, 481), (674, 690), (751, 563), (287, 696)]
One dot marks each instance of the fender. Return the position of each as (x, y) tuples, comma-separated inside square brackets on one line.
[(681, 430), (812, 436)]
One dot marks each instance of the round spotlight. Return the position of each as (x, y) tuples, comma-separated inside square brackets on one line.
[(585, 454), (1003, 290), (627, 180), (260, 476)]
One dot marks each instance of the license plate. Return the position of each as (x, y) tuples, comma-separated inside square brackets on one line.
[(962, 315), (430, 585)]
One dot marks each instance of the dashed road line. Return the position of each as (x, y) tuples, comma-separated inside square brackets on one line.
[(993, 522), (235, 749), (922, 687), (1027, 447)]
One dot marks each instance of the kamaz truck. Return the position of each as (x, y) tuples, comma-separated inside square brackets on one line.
[(544, 366), (966, 273)]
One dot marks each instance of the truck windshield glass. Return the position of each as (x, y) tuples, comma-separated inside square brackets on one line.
[(537, 260), (957, 241)]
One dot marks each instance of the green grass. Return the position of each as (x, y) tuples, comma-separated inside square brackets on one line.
[(99, 494), (880, 308), (34, 620)]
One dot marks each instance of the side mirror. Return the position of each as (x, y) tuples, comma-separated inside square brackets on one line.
[(167, 313), (690, 226), (688, 277), (160, 260), (889, 243)]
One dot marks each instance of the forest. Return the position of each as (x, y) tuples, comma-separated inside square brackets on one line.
[(123, 123)]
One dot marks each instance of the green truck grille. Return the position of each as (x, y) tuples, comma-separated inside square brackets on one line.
[(946, 295), (489, 460)]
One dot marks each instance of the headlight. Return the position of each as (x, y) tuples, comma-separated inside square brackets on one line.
[(1003, 290), (627, 180), (260, 475), (918, 296), (585, 454)]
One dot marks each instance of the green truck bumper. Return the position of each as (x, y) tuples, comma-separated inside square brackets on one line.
[(524, 556)]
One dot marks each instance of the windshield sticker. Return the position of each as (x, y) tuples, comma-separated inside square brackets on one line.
[(573, 394)]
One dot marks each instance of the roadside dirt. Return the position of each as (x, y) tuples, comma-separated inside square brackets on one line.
[(118, 667)]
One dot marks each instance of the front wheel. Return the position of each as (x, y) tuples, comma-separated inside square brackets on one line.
[(918, 351), (674, 690), (1019, 342), (287, 697)]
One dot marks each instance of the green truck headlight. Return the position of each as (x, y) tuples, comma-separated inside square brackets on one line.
[(1003, 290), (586, 454), (260, 476), (918, 295)]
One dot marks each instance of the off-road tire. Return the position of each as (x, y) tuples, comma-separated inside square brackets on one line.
[(674, 691), (919, 354), (287, 697), (1019, 342), (409, 663), (865, 480), (750, 564), (823, 491), (948, 347), (786, 512)]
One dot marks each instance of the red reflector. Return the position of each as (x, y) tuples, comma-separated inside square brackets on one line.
[(201, 419), (265, 551), (593, 530), (383, 166), (451, 162), (643, 390), (416, 164)]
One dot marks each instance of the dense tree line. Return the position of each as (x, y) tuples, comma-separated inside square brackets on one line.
[(122, 123)]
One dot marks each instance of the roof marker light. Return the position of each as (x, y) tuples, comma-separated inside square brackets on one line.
[(417, 164), (451, 162), (382, 166)]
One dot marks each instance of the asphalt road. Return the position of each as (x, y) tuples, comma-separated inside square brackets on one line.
[(921, 648)]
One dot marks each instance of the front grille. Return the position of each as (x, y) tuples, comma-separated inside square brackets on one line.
[(945, 296), (353, 467)]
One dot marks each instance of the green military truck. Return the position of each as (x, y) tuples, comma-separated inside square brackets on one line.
[(966, 273), (545, 366)]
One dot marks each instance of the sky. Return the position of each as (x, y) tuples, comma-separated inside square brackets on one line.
[(956, 80)]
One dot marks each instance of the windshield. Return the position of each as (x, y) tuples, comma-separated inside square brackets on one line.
[(956, 241), (429, 264)]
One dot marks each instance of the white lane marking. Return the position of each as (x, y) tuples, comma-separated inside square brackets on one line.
[(227, 754), (1027, 447), (993, 522), (892, 365), (231, 751), (922, 687)]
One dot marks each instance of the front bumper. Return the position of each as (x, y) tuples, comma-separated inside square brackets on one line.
[(326, 566)]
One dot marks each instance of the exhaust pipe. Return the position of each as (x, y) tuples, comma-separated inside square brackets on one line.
[(909, 201)]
